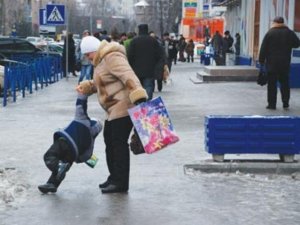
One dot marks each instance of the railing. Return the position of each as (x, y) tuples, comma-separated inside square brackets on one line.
[(22, 72)]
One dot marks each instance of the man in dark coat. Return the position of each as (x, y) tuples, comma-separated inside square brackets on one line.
[(143, 55), (69, 50), (170, 48), (275, 52), (237, 47), (217, 44)]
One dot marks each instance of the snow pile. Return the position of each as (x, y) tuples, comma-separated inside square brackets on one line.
[(12, 187)]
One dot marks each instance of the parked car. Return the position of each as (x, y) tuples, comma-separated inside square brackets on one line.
[(49, 40), (15, 46), (53, 48), (36, 41)]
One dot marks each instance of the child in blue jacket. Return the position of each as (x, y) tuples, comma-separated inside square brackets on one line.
[(74, 143)]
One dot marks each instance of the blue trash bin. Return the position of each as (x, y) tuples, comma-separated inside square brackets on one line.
[(207, 59), (202, 56)]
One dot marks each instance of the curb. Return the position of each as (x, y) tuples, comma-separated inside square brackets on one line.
[(256, 167)]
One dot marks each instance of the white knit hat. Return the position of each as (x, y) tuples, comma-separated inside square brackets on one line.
[(89, 44)]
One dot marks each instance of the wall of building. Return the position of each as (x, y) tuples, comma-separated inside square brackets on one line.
[(272, 8), (239, 18)]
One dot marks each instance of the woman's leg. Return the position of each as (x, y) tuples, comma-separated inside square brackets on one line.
[(117, 150)]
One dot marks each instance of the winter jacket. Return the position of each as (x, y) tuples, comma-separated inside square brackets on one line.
[(71, 53), (116, 84), (217, 44), (80, 134), (181, 44), (143, 54), (127, 43), (190, 48), (276, 48), (227, 44), (170, 48)]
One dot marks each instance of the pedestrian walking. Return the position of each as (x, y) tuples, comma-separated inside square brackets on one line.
[(227, 42), (130, 36), (181, 48), (217, 44), (237, 46), (75, 143), (123, 38), (86, 65), (175, 49), (104, 36), (189, 49), (69, 51), (143, 55), (117, 88), (228, 49), (162, 66), (170, 49), (275, 54)]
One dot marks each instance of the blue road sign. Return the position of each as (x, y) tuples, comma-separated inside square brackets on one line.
[(43, 18), (55, 14)]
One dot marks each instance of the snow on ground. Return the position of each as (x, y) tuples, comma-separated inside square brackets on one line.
[(13, 187)]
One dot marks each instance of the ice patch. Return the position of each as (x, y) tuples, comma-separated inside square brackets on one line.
[(13, 187)]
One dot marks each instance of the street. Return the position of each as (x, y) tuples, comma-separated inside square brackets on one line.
[(160, 192)]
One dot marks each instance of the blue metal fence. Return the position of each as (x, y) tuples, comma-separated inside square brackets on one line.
[(23, 71)]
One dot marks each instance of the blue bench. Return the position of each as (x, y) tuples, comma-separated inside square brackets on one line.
[(243, 60), (251, 135)]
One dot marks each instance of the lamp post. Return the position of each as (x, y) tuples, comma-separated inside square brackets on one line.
[(141, 9)]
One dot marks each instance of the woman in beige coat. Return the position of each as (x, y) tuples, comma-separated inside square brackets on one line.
[(118, 89)]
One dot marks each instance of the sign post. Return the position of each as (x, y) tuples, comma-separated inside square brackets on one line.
[(56, 15)]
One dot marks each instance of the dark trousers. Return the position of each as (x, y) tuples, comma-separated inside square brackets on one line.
[(175, 59), (159, 84), (181, 55), (190, 57), (59, 151), (170, 60), (148, 84), (283, 79), (116, 135)]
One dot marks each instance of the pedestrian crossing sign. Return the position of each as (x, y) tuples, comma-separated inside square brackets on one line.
[(55, 14)]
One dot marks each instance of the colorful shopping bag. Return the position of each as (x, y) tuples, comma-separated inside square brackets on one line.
[(153, 125)]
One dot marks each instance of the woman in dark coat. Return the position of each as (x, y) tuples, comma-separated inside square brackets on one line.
[(189, 49), (71, 56)]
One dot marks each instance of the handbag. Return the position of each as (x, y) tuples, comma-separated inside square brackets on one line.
[(135, 144), (262, 78), (153, 126)]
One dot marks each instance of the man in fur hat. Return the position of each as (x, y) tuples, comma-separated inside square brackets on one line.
[(275, 53)]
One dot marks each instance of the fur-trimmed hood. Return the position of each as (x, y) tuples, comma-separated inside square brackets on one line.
[(105, 48), (277, 25)]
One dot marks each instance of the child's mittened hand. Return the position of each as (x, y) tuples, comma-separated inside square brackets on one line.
[(85, 87), (79, 89)]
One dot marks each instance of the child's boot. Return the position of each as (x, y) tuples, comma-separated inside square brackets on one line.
[(51, 185), (62, 170), (48, 187)]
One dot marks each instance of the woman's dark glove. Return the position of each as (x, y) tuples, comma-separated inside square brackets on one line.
[(140, 101)]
